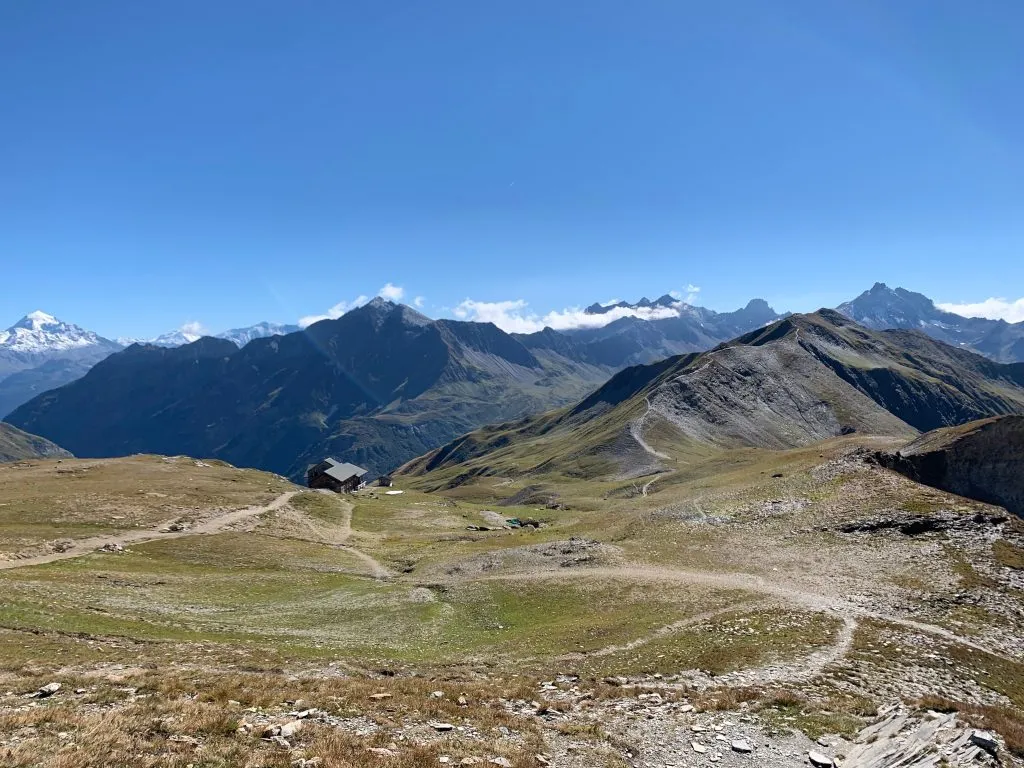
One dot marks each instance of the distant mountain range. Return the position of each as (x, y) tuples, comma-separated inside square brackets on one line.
[(796, 381), (674, 328), (379, 385), (40, 353), (238, 336)]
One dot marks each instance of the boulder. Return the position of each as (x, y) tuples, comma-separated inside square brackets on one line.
[(742, 746), (985, 740), (290, 729), (819, 760)]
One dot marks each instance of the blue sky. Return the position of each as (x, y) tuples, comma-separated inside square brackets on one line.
[(230, 162)]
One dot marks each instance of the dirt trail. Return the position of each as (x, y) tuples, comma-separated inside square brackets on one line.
[(343, 532), (214, 524), (636, 431), (805, 668)]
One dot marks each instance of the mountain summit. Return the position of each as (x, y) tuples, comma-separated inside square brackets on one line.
[(883, 307), (40, 352), (39, 333)]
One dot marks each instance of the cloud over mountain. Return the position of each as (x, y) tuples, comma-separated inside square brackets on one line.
[(993, 309), (515, 316)]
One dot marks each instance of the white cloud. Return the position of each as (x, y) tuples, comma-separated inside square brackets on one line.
[(194, 328), (516, 317), (334, 312), (418, 302), (689, 297), (993, 309), (391, 292)]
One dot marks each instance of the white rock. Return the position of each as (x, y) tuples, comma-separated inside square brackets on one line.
[(442, 727), (47, 690), (504, 762), (697, 747), (819, 760), (742, 746), (290, 729)]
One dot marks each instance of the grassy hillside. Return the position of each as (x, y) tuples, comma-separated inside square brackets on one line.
[(731, 581)]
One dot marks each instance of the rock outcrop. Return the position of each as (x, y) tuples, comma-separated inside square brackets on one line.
[(982, 460)]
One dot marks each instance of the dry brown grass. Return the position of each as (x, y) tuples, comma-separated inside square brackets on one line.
[(155, 718)]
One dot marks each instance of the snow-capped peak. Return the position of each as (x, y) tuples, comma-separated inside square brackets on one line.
[(39, 332), (36, 321)]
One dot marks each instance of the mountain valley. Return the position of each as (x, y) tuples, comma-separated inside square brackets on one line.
[(747, 555)]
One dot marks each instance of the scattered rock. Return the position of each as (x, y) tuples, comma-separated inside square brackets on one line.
[(697, 747), (504, 762), (47, 690), (442, 727), (111, 546), (819, 760), (742, 746), (985, 740)]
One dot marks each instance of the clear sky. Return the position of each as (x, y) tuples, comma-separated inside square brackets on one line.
[(228, 162)]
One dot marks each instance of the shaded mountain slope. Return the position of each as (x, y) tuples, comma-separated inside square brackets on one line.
[(379, 385), (16, 445), (981, 460), (799, 380)]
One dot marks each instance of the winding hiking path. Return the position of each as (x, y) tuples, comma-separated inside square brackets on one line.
[(214, 524), (343, 532), (802, 669), (636, 431)]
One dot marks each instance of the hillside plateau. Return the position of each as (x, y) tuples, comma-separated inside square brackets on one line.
[(754, 607)]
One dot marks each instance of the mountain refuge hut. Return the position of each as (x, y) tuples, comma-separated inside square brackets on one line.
[(340, 477)]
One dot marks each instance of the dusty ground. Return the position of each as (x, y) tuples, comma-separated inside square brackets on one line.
[(779, 601)]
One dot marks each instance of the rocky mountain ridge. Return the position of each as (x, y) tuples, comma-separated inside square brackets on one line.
[(799, 380)]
